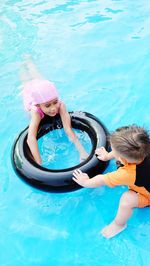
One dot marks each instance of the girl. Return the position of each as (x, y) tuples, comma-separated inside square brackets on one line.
[(41, 98)]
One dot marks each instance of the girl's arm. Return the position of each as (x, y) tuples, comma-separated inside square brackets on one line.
[(66, 120), (32, 133), (83, 179)]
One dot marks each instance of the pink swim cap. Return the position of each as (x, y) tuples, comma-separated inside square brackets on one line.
[(38, 91)]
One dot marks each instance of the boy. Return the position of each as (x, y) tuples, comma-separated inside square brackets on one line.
[(131, 146)]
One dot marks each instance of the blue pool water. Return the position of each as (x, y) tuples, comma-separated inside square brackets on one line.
[(56, 143), (97, 53)]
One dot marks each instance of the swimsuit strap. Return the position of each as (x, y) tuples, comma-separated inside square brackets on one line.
[(38, 110)]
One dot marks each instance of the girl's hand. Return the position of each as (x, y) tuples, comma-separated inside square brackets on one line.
[(83, 156), (103, 155), (80, 178)]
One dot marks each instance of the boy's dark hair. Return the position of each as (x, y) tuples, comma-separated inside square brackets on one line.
[(131, 142)]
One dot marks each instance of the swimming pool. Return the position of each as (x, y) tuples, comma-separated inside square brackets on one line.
[(97, 53)]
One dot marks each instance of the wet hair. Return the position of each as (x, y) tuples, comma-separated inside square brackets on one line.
[(131, 142)]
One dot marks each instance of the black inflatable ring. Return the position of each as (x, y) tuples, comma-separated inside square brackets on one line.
[(59, 180)]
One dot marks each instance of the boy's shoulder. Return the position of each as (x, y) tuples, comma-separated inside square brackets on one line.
[(124, 175)]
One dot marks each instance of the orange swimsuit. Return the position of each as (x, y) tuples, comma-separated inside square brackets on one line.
[(136, 177)]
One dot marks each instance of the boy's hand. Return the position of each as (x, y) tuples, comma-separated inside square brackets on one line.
[(80, 178), (103, 155)]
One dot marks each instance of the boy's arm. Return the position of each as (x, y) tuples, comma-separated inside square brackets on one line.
[(66, 120), (83, 179), (123, 176), (104, 155), (32, 133)]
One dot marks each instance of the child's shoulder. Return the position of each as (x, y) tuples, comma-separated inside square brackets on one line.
[(62, 106)]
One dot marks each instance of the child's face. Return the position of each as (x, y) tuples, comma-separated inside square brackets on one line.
[(117, 155), (124, 160), (50, 108)]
